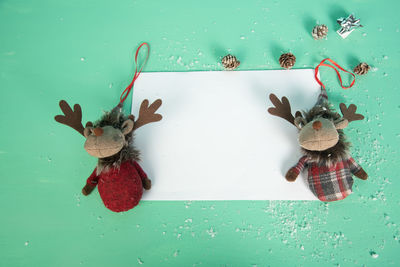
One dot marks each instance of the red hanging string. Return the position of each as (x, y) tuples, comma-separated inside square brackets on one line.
[(128, 89), (337, 72)]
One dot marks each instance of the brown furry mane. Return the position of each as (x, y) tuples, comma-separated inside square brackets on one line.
[(336, 153), (115, 119)]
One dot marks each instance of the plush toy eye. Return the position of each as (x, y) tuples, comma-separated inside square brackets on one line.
[(325, 115)]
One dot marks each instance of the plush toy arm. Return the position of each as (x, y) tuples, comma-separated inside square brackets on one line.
[(356, 169), (146, 181), (91, 183), (294, 172), (291, 175)]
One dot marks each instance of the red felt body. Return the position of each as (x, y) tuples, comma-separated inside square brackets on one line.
[(120, 188)]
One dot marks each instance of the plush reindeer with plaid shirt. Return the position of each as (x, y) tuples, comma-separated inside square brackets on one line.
[(323, 145)]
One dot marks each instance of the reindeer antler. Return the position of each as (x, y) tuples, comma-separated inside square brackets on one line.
[(350, 112), (282, 108), (71, 118), (147, 113)]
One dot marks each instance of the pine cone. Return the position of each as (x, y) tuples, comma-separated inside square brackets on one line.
[(319, 32), (287, 60), (230, 62), (361, 68)]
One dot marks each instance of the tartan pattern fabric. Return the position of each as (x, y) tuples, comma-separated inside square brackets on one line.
[(329, 183)]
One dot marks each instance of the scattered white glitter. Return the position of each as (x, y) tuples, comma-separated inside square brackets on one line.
[(374, 255), (211, 232)]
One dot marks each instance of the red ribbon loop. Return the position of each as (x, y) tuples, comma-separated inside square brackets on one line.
[(337, 72), (128, 89)]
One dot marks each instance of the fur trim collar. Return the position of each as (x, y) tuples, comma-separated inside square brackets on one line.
[(128, 152)]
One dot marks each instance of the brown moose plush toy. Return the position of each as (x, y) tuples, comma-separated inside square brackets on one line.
[(323, 145), (119, 177)]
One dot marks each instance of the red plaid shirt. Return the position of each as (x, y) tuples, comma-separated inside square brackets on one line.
[(329, 183)]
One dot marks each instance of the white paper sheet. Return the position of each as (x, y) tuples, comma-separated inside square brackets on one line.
[(216, 140)]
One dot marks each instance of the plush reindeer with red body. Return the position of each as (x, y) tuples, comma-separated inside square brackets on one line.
[(326, 152), (119, 177)]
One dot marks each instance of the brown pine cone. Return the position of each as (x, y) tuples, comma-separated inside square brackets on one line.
[(361, 68), (287, 60), (230, 62), (319, 32)]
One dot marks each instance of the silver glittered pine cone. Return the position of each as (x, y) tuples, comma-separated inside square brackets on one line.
[(361, 68), (230, 62), (287, 60), (319, 32)]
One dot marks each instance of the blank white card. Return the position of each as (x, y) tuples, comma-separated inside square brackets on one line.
[(216, 140)]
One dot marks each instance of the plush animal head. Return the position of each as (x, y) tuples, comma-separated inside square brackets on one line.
[(319, 128), (109, 135)]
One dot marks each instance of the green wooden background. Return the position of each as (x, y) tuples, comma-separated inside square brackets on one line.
[(83, 51)]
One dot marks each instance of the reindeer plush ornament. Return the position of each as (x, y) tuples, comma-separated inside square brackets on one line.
[(119, 177), (323, 144)]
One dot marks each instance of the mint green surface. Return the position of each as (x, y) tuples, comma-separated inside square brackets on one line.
[(83, 51)]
